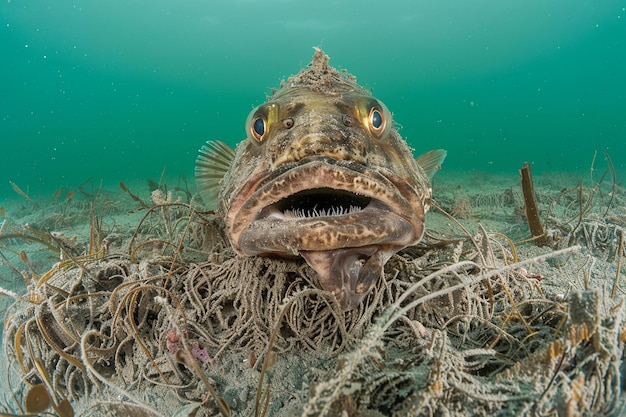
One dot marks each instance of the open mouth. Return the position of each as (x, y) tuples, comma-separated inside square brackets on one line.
[(323, 205), (321, 202)]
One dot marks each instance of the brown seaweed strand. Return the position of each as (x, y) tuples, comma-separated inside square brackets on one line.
[(620, 248), (532, 214), (19, 191), (611, 168)]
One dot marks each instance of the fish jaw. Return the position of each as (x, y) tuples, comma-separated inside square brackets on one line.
[(347, 247), (262, 223)]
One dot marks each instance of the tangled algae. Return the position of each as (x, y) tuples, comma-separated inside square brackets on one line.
[(172, 323)]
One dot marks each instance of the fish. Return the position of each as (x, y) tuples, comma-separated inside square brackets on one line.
[(323, 174)]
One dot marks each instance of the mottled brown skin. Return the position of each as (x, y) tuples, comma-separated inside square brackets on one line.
[(320, 136)]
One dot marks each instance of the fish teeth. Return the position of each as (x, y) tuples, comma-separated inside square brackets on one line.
[(315, 212)]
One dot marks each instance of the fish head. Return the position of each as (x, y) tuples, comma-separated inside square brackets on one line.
[(323, 174)]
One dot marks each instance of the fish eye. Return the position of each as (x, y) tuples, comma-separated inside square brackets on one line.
[(258, 128), (377, 120)]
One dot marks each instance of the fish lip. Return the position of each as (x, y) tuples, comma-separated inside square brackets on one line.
[(394, 216)]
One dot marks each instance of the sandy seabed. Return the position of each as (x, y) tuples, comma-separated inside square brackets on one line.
[(130, 302)]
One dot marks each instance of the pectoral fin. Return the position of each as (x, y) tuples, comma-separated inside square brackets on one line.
[(214, 160), (431, 161)]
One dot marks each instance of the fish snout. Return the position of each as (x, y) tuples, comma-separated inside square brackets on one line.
[(336, 146)]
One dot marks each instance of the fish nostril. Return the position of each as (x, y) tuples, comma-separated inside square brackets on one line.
[(347, 120), (288, 123)]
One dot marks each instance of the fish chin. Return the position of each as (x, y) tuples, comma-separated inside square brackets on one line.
[(349, 273)]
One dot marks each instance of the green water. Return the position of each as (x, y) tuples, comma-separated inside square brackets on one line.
[(118, 90)]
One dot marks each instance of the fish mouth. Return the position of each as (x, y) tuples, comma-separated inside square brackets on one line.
[(321, 203), (344, 219)]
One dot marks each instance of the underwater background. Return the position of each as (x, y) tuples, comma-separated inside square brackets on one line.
[(121, 90), (110, 92)]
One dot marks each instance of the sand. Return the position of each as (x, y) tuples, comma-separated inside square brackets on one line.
[(146, 311)]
